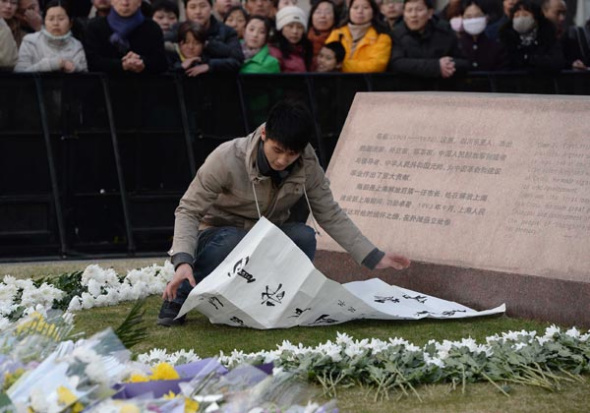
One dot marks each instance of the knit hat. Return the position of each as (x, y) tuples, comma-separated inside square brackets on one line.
[(290, 14)]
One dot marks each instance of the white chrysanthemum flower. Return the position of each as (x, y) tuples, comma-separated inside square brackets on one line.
[(519, 346), (93, 272), (9, 280), (573, 332), (87, 301), (433, 360), (39, 401), (343, 338), (95, 287), (444, 348), (585, 337), (4, 323), (552, 331), (412, 348), (377, 346), (75, 304), (398, 341), (97, 373)]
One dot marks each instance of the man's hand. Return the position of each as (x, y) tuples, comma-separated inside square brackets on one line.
[(447, 67), (398, 262), (133, 62), (33, 19), (183, 272), (197, 70)]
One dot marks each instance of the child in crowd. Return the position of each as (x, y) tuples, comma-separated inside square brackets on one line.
[(236, 18), (165, 13), (53, 48), (189, 50), (331, 57), (292, 48), (255, 48)]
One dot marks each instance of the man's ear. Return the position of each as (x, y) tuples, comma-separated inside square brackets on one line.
[(263, 133)]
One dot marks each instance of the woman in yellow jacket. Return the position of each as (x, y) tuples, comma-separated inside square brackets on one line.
[(365, 39)]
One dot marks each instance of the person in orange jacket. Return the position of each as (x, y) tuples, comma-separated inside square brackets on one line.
[(365, 39)]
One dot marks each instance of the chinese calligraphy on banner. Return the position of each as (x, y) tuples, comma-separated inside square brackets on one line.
[(267, 282)]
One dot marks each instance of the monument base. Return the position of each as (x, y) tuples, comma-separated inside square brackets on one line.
[(555, 300)]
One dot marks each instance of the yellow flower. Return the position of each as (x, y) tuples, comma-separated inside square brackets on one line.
[(77, 407), (164, 371), (136, 378), (190, 405), (129, 408), (169, 396), (65, 397)]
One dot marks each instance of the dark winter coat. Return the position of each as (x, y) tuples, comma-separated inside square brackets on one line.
[(544, 54), (418, 54), (223, 48), (146, 40), (483, 53)]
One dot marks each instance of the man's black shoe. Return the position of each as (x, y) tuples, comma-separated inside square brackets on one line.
[(168, 313)]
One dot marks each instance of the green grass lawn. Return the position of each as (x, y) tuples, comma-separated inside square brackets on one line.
[(207, 340)]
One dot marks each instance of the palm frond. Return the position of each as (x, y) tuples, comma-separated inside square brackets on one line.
[(133, 329)]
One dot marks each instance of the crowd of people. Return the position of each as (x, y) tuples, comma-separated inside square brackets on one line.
[(277, 36)]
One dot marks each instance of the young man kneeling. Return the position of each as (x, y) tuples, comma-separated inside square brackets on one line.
[(263, 174)]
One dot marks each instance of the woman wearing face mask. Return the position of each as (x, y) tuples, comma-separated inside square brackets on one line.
[(530, 39), (365, 39), (53, 48), (483, 53)]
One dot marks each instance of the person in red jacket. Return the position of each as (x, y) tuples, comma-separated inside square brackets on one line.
[(291, 47)]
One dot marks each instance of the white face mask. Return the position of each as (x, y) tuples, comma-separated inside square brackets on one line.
[(457, 23), (475, 26), (523, 24)]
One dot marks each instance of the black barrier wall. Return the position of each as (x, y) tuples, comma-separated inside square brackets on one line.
[(93, 165)]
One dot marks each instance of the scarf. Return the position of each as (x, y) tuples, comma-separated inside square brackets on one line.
[(122, 27), (357, 31), (529, 38), (249, 53), (317, 39), (264, 168), (56, 41)]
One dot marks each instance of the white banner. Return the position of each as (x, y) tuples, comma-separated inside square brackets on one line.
[(268, 282)]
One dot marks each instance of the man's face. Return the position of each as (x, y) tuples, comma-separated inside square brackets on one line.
[(277, 156), (507, 5), (416, 15), (260, 7), (165, 19), (126, 8), (555, 11), (198, 11), (222, 6), (25, 6), (102, 5)]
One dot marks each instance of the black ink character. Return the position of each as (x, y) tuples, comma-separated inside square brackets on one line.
[(418, 314), (237, 321), (420, 298), (351, 309), (452, 312), (239, 270), (341, 303), (212, 301), (383, 300), (299, 311), (324, 319), (274, 297)]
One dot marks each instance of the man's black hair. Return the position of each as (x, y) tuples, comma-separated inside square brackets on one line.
[(166, 5), (290, 123), (338, 50)]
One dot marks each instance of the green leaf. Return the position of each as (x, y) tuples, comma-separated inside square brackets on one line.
[(133, 330)]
